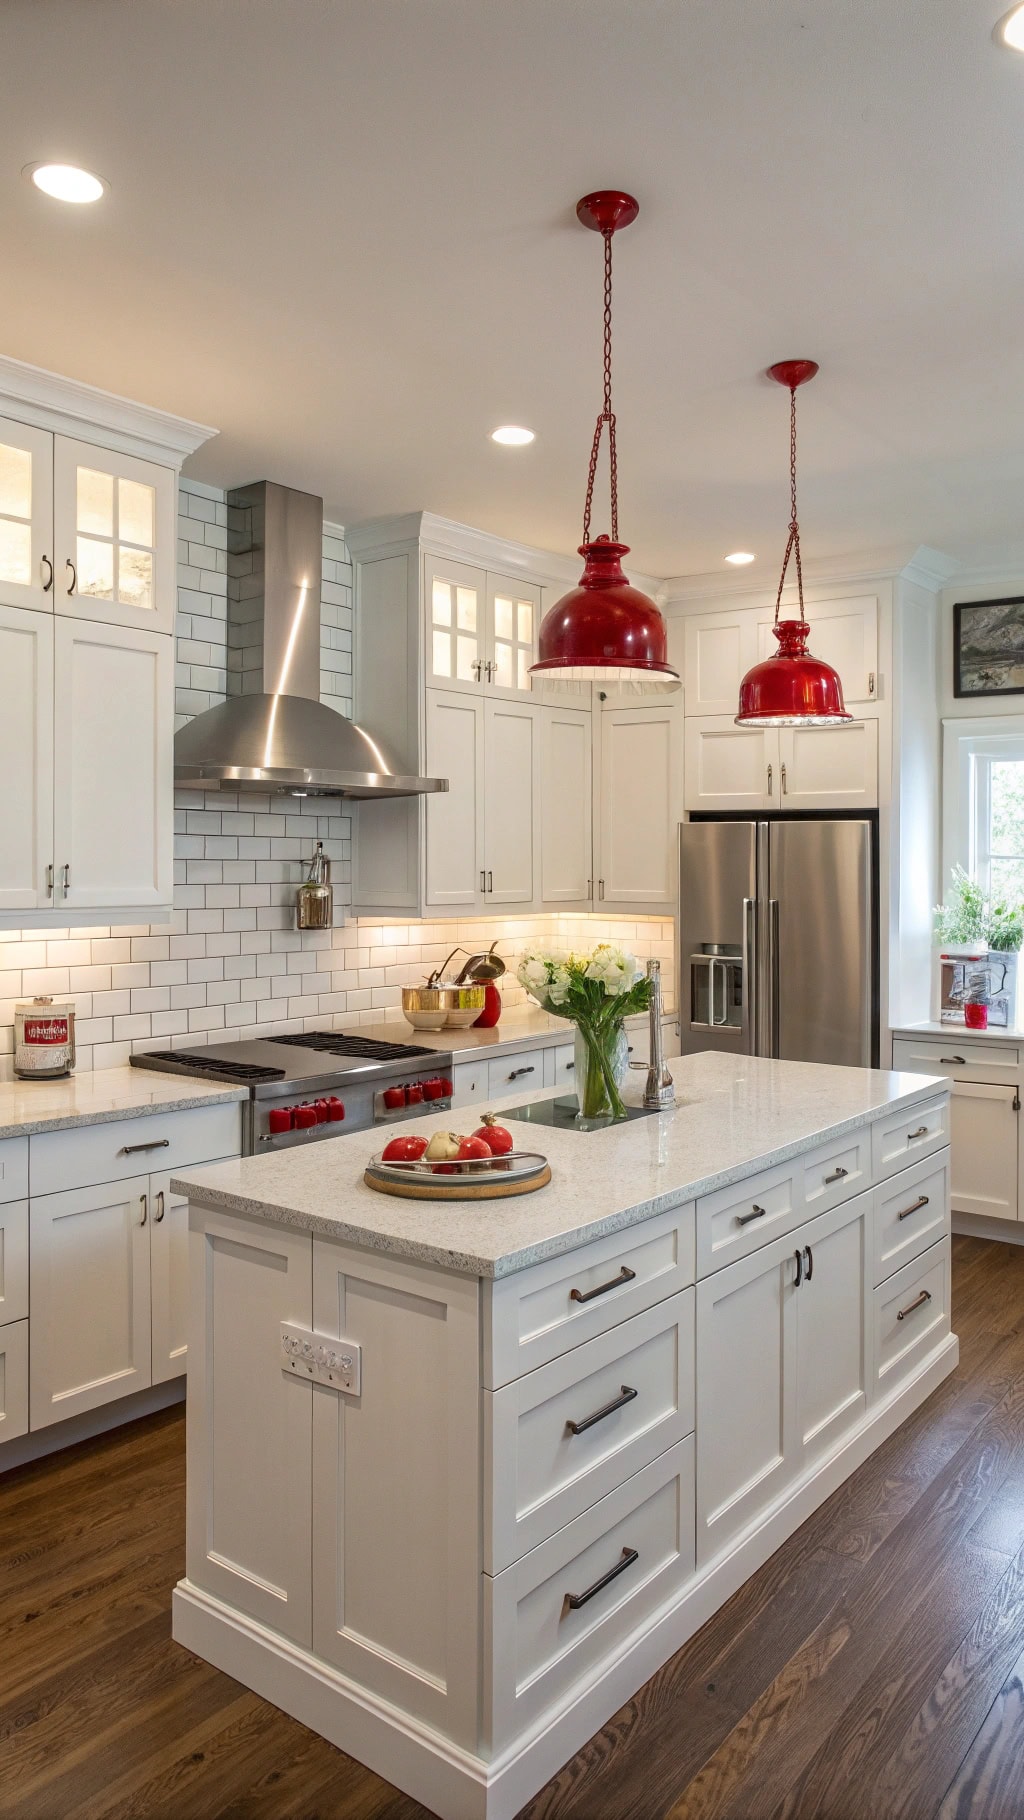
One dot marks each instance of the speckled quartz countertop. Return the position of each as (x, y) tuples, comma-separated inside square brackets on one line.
[(959, 1033), (733, 1117), (96, 1098), (523, 1027)]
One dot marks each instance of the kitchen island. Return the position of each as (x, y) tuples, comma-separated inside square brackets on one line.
[(531, 1446)]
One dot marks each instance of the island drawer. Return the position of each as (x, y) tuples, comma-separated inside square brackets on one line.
[(156, 1140), (905, 1136), (540, 1313), (13, 1169), (734, 1221), (911, 1213), (13, 1261), (520, 1073), (570, 1604), (13, 1381), (562, 1437), (991, 1062), (911, 1316)]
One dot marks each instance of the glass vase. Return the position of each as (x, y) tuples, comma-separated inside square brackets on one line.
[(600, 1066)]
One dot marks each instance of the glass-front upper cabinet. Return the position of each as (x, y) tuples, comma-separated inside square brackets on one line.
[(113, 537), (26, 516), (481, 630)]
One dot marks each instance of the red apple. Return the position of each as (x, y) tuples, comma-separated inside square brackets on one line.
[(404, 1150), (474, 1150)]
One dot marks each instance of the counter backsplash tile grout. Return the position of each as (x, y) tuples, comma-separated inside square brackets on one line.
[(231, 963)]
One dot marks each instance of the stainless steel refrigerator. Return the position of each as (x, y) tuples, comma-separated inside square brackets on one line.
[(778, 939)]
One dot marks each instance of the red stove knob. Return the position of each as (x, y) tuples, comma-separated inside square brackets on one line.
[(414, 1094), (335, 1110), (434, 1088), (448, 1088), (279, 1119), (320, 1108), (394, 1097), (304, 1117)]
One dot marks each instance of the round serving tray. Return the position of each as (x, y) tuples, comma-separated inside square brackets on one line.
[(521, 1172)]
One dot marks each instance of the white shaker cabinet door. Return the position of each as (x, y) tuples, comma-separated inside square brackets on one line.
[(513, 621), (89, 1314), (511, 762), (565, 807), (984, 1137), (730, 767), (640, 806), (26, 758), (832, 1308), (113, 755), (26, 516), (718, 650), (114, 537), (455, 873), (844, 633), (168, 1241), (748, 1444), (828, 767), (455, 629)]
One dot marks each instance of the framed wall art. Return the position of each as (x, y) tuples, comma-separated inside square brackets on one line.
[(988, 647)]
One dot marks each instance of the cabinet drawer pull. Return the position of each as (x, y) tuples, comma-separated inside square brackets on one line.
[(157, 1217), (47, 579), (925, 1296), (949, 1061), (838, 1175), (132, 1149), (758, 1213), (516, 1072), (49, 879), (619, 1402), (799, 1256), (144, 1204), (575, 1600), (810, 1262), (587, 1295), (922, 1131), (922, 1201), (569, 1066), (73, 583)]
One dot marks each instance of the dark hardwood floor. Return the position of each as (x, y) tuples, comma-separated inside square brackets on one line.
[(873, 1669)]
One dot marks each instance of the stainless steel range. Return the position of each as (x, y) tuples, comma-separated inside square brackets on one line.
[(316, 1084)]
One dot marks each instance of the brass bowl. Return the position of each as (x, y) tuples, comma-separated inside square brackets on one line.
[(434, 1007)]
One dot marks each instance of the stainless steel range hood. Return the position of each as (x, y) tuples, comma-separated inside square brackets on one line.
[(273, 732)]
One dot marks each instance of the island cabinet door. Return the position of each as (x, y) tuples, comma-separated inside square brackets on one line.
[(249, 1420), (748, 1444), (833, 1305), (396, 1486)]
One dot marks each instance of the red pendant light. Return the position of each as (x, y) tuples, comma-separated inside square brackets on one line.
[(792, 688), (605, 631)]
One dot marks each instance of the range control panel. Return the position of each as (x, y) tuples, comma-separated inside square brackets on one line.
[(337, 1363)]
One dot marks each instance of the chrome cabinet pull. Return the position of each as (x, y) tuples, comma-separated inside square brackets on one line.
[(600, 888), (838, 1175), (144, 1204), (516, 1072), (47, 579), (925, 1296), (810, 1262), (922, 1131), (569, 1066), (132, 1149), (73, 583), (490, 881), (785, 787), (575, 1600), (744, 1219), (799, 1256), (922, 1201), (950, 1061), (871, 682), (66, 869), (483, 882), (619, 1402), (49, 879), (587, 1295), (590, 887), (157, 1217), (770, 775)]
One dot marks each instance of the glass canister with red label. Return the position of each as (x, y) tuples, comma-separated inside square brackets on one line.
[(44, 1039)]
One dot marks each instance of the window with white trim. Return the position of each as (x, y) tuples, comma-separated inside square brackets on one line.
[(984, 803)]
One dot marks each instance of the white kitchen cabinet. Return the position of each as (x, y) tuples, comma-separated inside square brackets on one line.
[(26, 758), (511, 819), (114, 536), (90, 1302), (113, 812), (393, 1611), (13, 1261), (513, 622), (718, 650), (833, 1309), (720, 647), (26, 516), (984, 1143), (168, 1259), (639, 806), (13, 1380), (482, 834), (754, 768), (565, 804), (844, 633), (481, 629)]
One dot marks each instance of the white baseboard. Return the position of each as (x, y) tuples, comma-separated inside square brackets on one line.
[(458, 1784), (979, 1226), (57, 1435)]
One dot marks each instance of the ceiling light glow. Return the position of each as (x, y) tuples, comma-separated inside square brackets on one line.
[(1010, 31), (512, 434), (739, 557), (66, 182)]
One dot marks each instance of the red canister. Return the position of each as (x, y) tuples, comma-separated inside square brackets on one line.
[(279, 1119)]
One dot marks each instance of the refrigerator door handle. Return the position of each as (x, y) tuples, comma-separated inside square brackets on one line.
[(749, 975), (773, 976), (713, 972)]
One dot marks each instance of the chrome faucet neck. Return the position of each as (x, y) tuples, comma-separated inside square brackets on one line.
[(659, 1090)]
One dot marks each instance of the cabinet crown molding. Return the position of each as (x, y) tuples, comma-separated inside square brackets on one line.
[(465, 543), (69, 407), (930, 568)]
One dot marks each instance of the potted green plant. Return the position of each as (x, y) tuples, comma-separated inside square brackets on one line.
[(972, 926)]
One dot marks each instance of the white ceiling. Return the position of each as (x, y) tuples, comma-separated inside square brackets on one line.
[(344, 233)]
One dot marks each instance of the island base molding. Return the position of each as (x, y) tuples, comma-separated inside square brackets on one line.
[(455, 1783), (982, 1226)]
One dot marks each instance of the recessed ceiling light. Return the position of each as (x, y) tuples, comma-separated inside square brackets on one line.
[(1010, 30), (66, 182), (513, 434), (739, 557)]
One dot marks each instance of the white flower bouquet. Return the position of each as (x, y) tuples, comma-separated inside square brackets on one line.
[(596, 992)]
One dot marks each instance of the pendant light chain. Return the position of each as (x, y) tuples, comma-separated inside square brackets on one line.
[(793, 544), (607, 415)]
